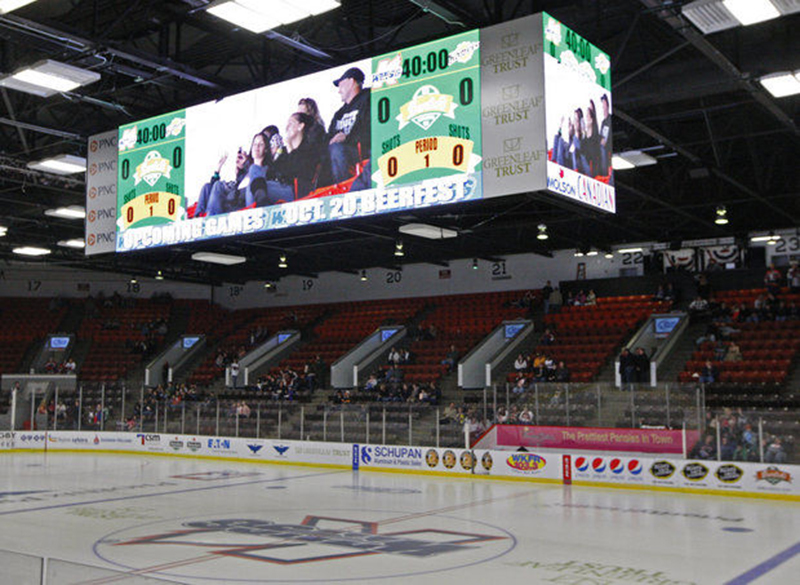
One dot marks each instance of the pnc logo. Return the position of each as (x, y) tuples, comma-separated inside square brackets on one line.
[(91, 216), (91, 240), (93, 146), (92, 192), (93, 169)]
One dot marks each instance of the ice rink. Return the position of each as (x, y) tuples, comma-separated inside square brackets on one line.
[(201, 522)]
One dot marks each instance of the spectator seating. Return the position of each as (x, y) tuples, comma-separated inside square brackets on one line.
[(25, 320)]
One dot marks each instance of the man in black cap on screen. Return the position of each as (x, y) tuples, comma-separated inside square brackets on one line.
[(350, 129)]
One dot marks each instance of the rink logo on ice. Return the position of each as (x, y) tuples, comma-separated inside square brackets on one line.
[(773, 476), (694, 471), (526, 462), (662, 469), (323, 538), (729, 473)]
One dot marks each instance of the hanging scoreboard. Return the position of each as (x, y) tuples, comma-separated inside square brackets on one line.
[(450, 121)]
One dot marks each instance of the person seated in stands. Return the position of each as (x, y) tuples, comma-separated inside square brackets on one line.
[(562, 372), (556, 300), (371, 384), (449, 414), (555, 399), (539, 373), (526, 416), (50, 366), (423, 396), (502, 416), (243, 410), (591, 298), (733, 353), (580, 299), (660, 293), (772, 280), (521, 364), (711, 334), (782, 311), (520, 386), (708, 375), (775, 452), (707, 449), (721, 313), (394, 356), (727, 448), (570, 300), (549, 369), (547, 338), (70, 366), (720, 349), (405, 356), (699, 308), (451, 359)]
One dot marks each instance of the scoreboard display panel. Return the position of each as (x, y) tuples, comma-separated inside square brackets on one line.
[(450, 121)]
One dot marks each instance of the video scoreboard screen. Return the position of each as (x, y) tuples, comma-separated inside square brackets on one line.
[(454, 120)]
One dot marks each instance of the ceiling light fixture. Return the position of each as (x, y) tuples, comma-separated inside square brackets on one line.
[(3, 230), (474, 263), (159, 275), (578, 254), (215, 258), (592, 253), (630, 159), (432, 232), (630, 250), (63, 164), (766, 238), (283, 263), (7, 6), (74, 243), (782, 84), (542, 235), (398, 249), (722, 215), (751, 11), (47, 78), (363, 276), (31, 251), (609, 255), (68, 212), (133, 280), (258, 16)]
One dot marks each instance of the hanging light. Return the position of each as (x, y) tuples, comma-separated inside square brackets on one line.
[(542, 235), (363, 276), (398, 249), (159, 275), (474, 263), (722, 216), (283, 263)]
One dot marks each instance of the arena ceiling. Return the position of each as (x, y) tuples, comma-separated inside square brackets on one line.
[(691, 100)]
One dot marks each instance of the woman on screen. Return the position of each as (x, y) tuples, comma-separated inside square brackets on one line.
[(590, 153), (292, 175), (227, 196), (309, 106)]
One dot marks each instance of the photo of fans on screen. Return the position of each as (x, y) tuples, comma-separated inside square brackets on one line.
[(578, 121), (235, 163)]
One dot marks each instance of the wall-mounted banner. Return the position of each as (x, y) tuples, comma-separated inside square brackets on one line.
[(101, 193)]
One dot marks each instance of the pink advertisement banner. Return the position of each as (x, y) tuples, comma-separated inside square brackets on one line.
[(595, 439)]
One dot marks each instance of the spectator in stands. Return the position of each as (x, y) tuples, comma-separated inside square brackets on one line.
[(699, 308), (520, 386), (641, 362), (580, 299), (50, 366), (320, 371), (669, 293), (371, 384), (394, 356), (521, 364), (772, 280), (549, 369), (793, 277), (703, 287), (660, 293), (745, 452), (627, 368), (591, 298), (708, 375), (720, 349), (733, 354), (547, 338), (727, 448), (234, 373), (556, 300), (775, 452), (547, 290), (707, 450), (450, 414), (526, 416), (451, 359), (562, 373)]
